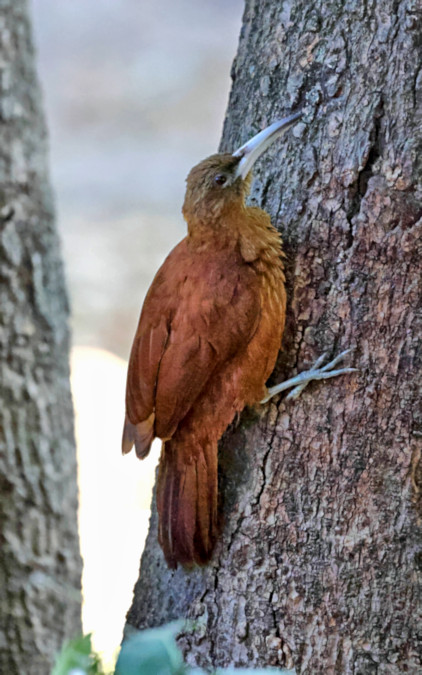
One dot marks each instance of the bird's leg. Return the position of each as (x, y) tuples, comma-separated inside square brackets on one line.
[(299, 382)]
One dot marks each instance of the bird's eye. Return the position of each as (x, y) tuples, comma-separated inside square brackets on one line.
[(220, 179)]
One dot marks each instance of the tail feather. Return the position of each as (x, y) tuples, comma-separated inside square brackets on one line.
[(141, 434), (187, 502), (206, 495)]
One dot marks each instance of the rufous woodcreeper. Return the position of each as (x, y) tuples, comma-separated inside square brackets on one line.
[(206, 343)]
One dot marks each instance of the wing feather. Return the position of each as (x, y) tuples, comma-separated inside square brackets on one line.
[(199, 312)]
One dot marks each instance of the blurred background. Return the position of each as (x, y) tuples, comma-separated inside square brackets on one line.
[(135, 93)]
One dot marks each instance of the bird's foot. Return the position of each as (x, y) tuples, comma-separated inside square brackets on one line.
[(299, 382)]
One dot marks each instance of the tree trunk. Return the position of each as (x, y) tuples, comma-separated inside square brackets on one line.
[(40, 565), (320, 559)]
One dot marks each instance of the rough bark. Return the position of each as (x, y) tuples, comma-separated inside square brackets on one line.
[(40, 565), (319, 562)]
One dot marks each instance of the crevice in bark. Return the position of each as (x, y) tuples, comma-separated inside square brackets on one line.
[(267, 454), (415, 87), (416, 475), (236, 531), (360, 187), (375, 152), (264, 479), (267, 185)]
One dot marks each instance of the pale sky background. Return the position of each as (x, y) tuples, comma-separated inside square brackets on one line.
[(135, 94)]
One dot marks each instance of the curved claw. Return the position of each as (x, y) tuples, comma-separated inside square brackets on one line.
[(299, 382), (334, 361), (319, 375)]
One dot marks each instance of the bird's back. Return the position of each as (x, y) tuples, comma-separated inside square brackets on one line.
[(250, 279), (207, 341)]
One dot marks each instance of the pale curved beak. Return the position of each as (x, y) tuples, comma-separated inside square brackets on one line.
[(250, 151)]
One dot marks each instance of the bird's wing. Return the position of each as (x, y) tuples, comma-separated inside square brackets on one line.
[(198, 313)]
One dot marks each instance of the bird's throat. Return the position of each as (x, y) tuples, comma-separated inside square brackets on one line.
[(247, 231)]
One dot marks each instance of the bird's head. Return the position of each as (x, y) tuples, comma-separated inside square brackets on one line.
[(222, 181)]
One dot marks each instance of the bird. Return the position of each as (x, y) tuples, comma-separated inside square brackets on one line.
[(208, 338)]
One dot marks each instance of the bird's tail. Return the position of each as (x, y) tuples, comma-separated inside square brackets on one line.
[(187, 501)]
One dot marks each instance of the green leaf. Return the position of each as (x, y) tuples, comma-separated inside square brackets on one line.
[(77, 655), (152, 652)]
